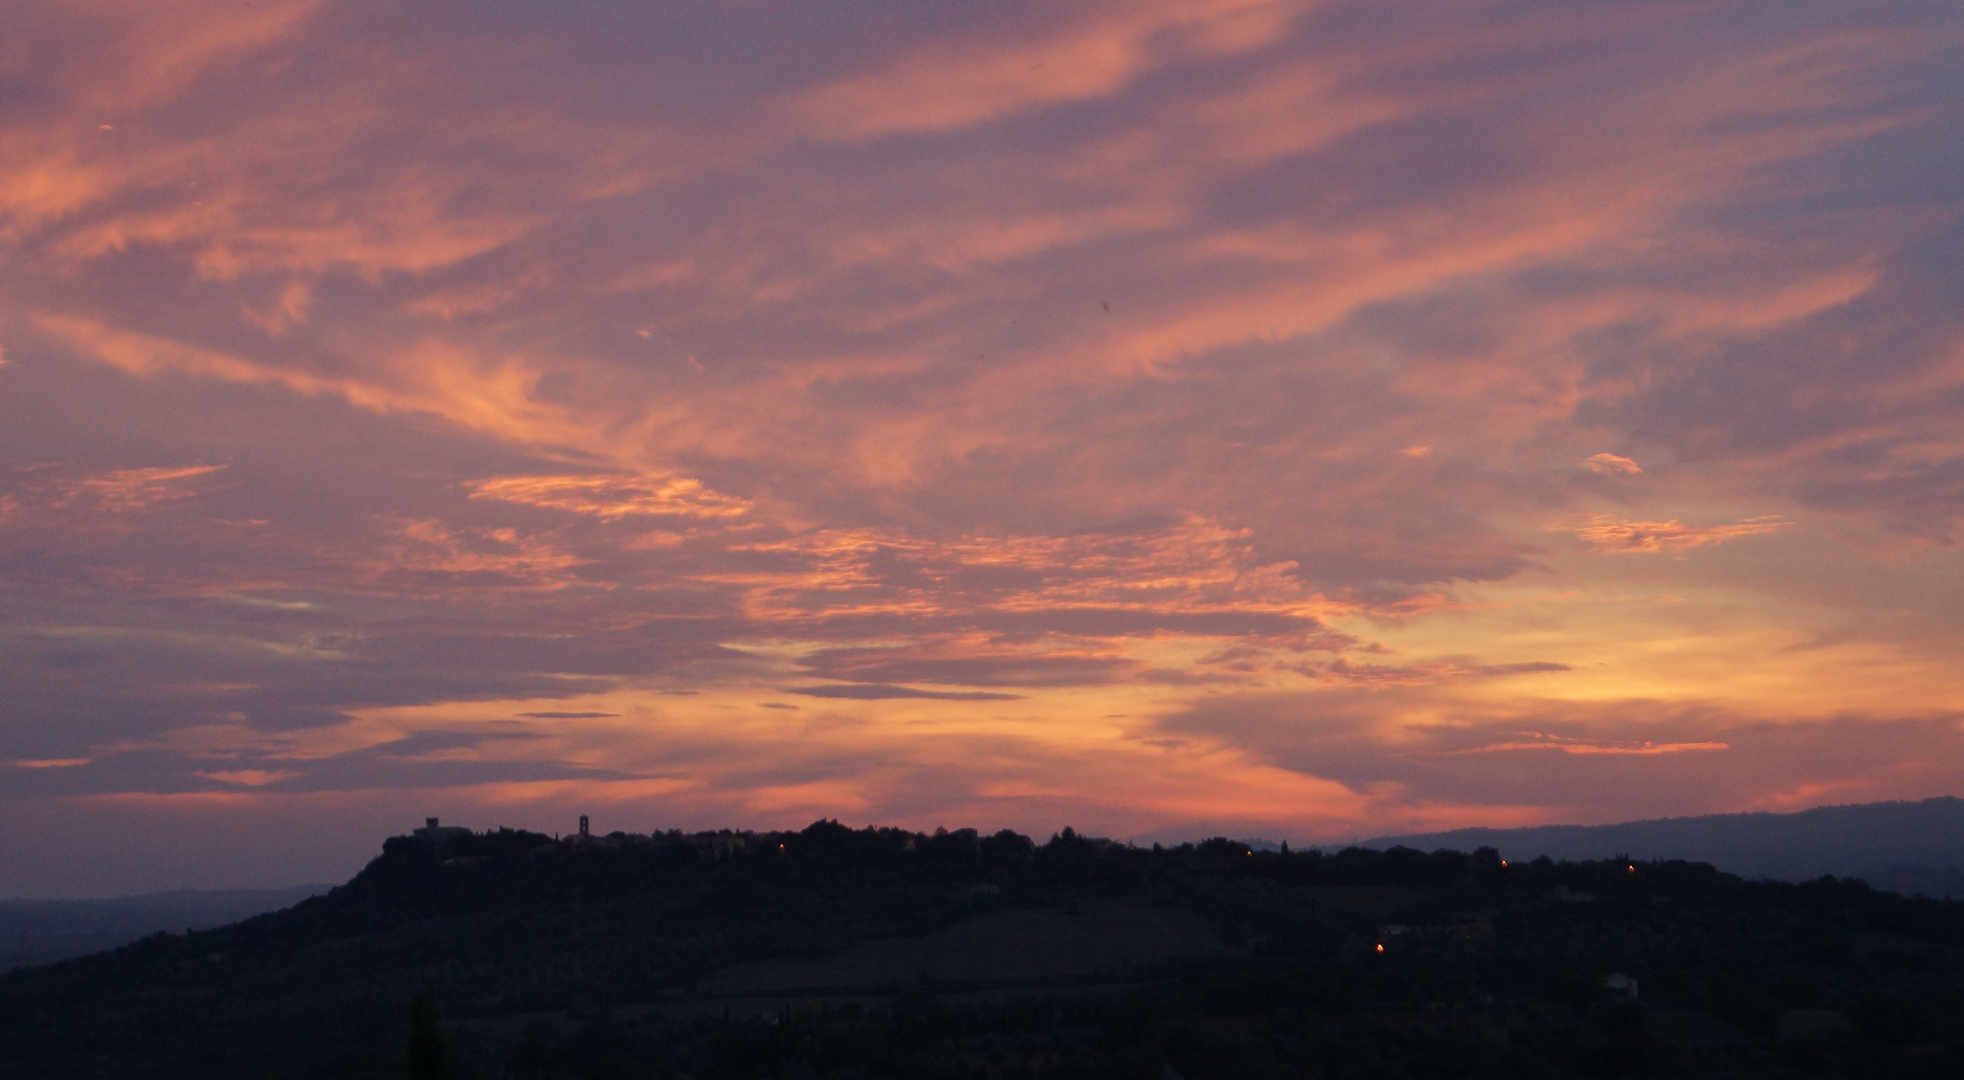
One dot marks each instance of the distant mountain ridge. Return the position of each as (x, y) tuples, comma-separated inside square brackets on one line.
[(1905, 847), (44, 931)]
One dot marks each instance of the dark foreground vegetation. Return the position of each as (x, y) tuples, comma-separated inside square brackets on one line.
[(508, 954)]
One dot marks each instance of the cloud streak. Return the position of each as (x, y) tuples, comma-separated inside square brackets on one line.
[(889, 692), (609, 497), (1607, 534)]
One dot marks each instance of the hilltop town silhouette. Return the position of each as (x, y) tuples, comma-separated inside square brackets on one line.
[(877, 952)]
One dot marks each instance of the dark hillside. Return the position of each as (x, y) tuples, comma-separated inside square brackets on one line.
[(794, 955)]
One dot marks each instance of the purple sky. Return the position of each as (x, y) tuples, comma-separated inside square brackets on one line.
[(1292, 419)]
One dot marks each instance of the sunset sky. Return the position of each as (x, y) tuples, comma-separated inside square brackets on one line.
[(1288, 419)]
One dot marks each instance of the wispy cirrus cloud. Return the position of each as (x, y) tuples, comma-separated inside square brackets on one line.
[(250, 778), (1535, 740), (608, 497), (1363, 673), (1608, 534), (888, 692), (1612, 465), (1415, 751), (123, 491)]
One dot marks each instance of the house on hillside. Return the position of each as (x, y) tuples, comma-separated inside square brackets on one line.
[(721, 845), (1620, 984), (439, 835)]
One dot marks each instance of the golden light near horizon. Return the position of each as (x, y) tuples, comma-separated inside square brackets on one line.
[(1300, 419)]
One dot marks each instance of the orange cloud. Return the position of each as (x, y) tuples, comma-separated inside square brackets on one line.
[(1564, 745), (127, 491), (944, 86), (250, 777), (494, 398), (1612, 465), (609, 497), (1611, 535), (1198, 568), (499, 557)]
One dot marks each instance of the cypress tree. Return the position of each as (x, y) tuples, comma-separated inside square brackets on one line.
[(425, 1041)]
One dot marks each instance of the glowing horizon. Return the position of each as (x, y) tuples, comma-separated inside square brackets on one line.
[(1301, 419)]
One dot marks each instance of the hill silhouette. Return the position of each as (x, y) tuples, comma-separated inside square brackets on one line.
[(836, 952), (1907, 847)]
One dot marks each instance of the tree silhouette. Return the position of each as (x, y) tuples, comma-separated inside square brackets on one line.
[(425, 1041)]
